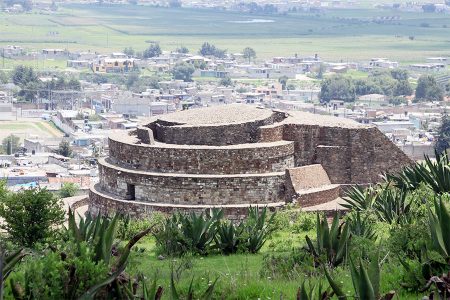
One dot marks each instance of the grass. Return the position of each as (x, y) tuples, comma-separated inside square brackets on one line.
[(239, 275), (25, 129), (344, 34)]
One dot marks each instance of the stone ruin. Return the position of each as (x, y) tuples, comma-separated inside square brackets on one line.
[(236, 156)]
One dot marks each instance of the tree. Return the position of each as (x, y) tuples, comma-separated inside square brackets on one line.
[(226, 81), (208, 49), (73, 85), (283, 80), (153, 51), (182, 49), (129, 51), (131, 80), (249, 54), (385, 81), (3, 77), (399, 74), (337, 87), (366, 87), (30, 216), (321, 70), (10, 144), (403, 88), (22, 75), (27, 80), (64, 148), (68, 189), (428, 90), (443, 140), (183, 71)]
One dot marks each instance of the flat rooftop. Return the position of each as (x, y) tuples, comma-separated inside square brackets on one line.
[(215, 115)]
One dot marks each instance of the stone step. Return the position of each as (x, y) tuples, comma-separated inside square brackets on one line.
[(318, 195), (328, 207)]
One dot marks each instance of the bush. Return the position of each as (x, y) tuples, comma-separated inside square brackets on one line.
[(128, 228), (31, 216), (287, 265), (409, 240), (68, 189), (51, 277), (295, 220)]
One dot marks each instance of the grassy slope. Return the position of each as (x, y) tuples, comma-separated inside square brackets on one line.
[(239, 275), (338, 34)]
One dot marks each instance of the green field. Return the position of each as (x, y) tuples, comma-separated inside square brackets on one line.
[(334, 34)]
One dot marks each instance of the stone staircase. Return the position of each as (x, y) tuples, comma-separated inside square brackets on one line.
[(310, 186)]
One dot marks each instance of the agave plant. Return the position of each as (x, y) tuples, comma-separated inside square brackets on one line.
[(99, 233), (393, 206), (361, 226), (258, 228), (198, 230), (439, 223), (359, 198), (436, 173), (331, 243), (206, 295), (228, 237), (408, 179), (366, 282), (7, 263), (312, 291)]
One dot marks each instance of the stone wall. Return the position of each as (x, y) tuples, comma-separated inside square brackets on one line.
[(215, 135), (193, 189), (239, 159), (106, 204), (336, 161), (349, 155), (372, 153)]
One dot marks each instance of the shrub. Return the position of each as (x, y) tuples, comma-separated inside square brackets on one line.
[(128, 227), (290, 265), (68, 189), (408, 240), (31, 216)]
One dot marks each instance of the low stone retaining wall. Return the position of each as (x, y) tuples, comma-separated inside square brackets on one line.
[(106, 204)]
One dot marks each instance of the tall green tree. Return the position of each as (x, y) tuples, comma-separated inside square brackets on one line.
[(10, 144), (249, 53), (153, 51), (183, 71), (65, 149), (428, 90), (30, 216), (283, 80), (208, 49), (443, 140), (403, 88), (4, 78), (337, 87)]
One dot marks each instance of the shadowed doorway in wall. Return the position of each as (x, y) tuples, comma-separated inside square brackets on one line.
[(131, 191)]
